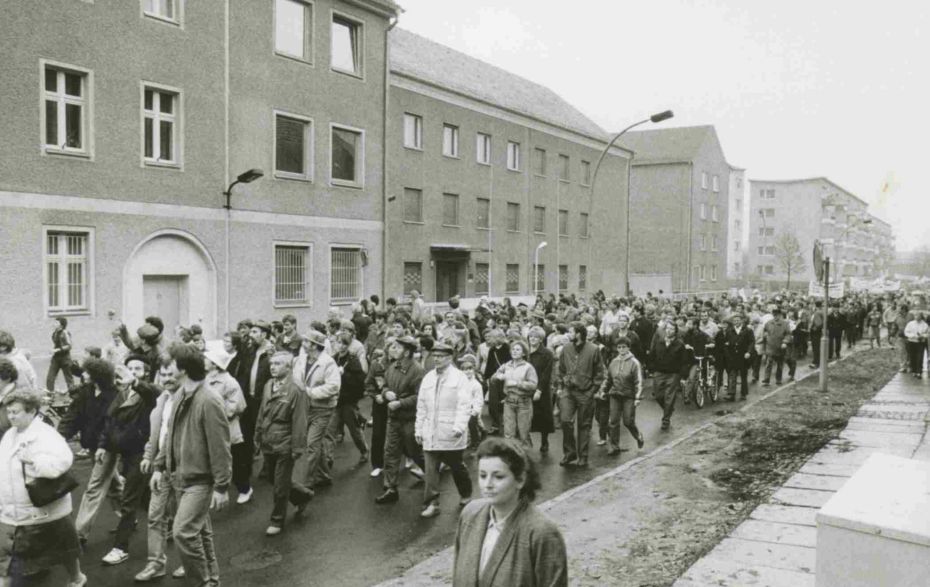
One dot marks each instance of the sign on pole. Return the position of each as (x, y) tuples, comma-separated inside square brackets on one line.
[(837, 290)]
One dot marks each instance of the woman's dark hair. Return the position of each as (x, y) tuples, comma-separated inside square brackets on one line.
[(622, 340), (189, 360), (581, 330), (516, 459), (30, 400), (345, 338), (8, 370), (235, 338), (7, 342), (427, 342), (62, 321), (100, 372), (156, 322)]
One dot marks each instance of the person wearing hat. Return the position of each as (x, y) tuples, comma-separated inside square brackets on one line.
[(316, 373), (738, 342), (776, 339), (521, 389), (149, 344), (222, 383), (355, 347), (444, 406), (401, 385)]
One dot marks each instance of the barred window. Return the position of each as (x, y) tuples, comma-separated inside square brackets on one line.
[(540, 280), (482, 278), (413, 277), (513, 278), (291, 274), (67, 275), (563, 277), (582, 277), (345, 275)]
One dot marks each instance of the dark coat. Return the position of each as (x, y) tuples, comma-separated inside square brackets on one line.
[(126, 427), (669, 358), (737, 345), (262, 376), (403, 378), (86, 414), (281, 427), (352, 387), (530, 552), (543, 361), (580, 369)]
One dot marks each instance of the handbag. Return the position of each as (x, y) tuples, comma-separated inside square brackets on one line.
[(44, 491)]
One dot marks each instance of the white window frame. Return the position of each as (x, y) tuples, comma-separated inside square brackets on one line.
[(86, 101), (361, 273), (703, 242), (89, 268), (713, 213), (308, 279), (584, 225), (565, 168), (715, 181), (359, 39), (482, 148), (177, 9), (513, 156), (703, 180), (157, 116), (585, 173), (417, 139), (309, 17), (308, 147), (703, 273), (703, 211), (713, 273), (453, 151), (359, 182)]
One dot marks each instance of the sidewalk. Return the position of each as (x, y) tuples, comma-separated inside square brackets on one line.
[(776, 546)]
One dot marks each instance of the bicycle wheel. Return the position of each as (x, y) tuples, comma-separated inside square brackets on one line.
[(713, 390), (699, 393)]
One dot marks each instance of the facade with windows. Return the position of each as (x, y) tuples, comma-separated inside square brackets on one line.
[(499, 167), (117, 155), (679, 185), (735, 238), (810, 210)]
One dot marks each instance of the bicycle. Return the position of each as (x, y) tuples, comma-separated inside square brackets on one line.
[(704, 385)]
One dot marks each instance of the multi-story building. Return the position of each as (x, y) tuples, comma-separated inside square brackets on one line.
[(809, 210), (124, 124), (485, 171), (736, 241), (883, 242), (679, 185)]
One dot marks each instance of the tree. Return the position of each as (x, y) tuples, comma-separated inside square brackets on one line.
[(789, 256)]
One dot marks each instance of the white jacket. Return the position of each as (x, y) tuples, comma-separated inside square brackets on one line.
[(50, 458), (444, 406)]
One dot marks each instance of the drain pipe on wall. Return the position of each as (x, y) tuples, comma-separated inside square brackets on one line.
[(384, 161)]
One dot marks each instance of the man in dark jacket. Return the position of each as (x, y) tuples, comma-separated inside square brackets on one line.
[(61, 356), (816, 333), (669, 360), (578, 377), (125, 432), (350, 391), (498, 354), (258, 373), (738, 342), (281, 435), (836, 325)]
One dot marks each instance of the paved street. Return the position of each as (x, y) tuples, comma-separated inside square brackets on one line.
[(345, 533)]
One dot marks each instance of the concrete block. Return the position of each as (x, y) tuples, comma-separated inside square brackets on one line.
[(719, 572), (821, 482), (882, 439), (812, 498), (785, 514), (779, 533), (766, 554), (836, 470)]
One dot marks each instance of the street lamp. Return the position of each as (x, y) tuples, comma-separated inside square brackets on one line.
[(659, 117), (540, 246), (245, 177)]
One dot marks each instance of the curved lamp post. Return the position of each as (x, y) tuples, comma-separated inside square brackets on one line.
[(245, 177), (539, 247), (659, 117)]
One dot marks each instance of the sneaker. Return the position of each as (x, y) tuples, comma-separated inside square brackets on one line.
[(376, 472), (179, 573), (389, 496), (640, 441), (416, 471), (151, 572), (82, 454), (272, 530), (666, 425), (765, 384), (244, 498), (601, 442), (82, 580), (431, 511), (115, 557)]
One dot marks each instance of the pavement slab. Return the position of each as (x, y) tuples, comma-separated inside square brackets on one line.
[(766, 554), (837, 470), (821, 482), (776, 532), (716, 572), (804, 497), (785, 514)]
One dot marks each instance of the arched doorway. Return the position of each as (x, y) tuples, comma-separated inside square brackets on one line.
[(170, 274)]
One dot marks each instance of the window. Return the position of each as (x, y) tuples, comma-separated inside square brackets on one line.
[(450, 210), (736, 267), (739, 204), (767, 194), (713, 213), (564, 168), (291, 274), (703, 242), (65, 116), (563, 277), (769, 212), (482, 278), (583, 228), (160, 126), (513, 156), (738, 224), (716, 183), (450, 140), (413, 205), (766, 231), (760, 269), (713, 273), (346, 45), (539, 161), (483, 150), (348, 156), (585, 173), (67, 272), (703, 180), (292, 29), (345, 275), (540, 281), (769, 270), (413, 277), (703, 211), (766, 250), (512, 278), (582, 277), (513, 216), (539, 219), (292, 147), (563, 222), (714, 246), (703, 273), (484, 213), (413, 131), (163, 9), (737, 246)]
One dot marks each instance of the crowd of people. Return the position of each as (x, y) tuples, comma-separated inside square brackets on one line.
[(172, 420)]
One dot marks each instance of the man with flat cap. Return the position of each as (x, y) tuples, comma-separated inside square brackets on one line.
[(401, 387)]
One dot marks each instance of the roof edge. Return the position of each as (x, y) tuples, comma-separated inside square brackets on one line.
[(811, 179)]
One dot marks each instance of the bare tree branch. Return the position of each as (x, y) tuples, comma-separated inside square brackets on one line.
[(789, 256)]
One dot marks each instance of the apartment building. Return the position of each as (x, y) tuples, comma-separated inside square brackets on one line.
[(489, 173), (679, 185), (125, 122), (736, 237), (809, 210)]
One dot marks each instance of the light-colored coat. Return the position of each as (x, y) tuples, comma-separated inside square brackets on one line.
[(50, 458), (321, 382), (225, 385), (444, 405), (155, 419)]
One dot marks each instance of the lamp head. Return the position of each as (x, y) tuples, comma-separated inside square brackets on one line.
[(661, 116), (541, 245), (250, 175)]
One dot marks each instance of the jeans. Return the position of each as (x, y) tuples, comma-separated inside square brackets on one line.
[(452, 458), (379, 416), (836, 343), (915, 352), (400, 439), (779, 361), (518, 415), (243, 454), (345, 415), (133, 494), (665, 388), (495, 403), (816, 335), (281, 468), (193, 534), (602, 417), (103, 480), (319, 446), (743, 374), (578, 406), (60, 362), (161, 503), (621, 409)]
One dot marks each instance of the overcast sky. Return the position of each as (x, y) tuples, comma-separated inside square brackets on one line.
[(795, 88)]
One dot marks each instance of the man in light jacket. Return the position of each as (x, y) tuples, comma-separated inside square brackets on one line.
[(444, 405), (317, 374), (776, 336)]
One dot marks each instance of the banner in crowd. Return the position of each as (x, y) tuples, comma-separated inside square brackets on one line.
[(876, 286), (837, 290)]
